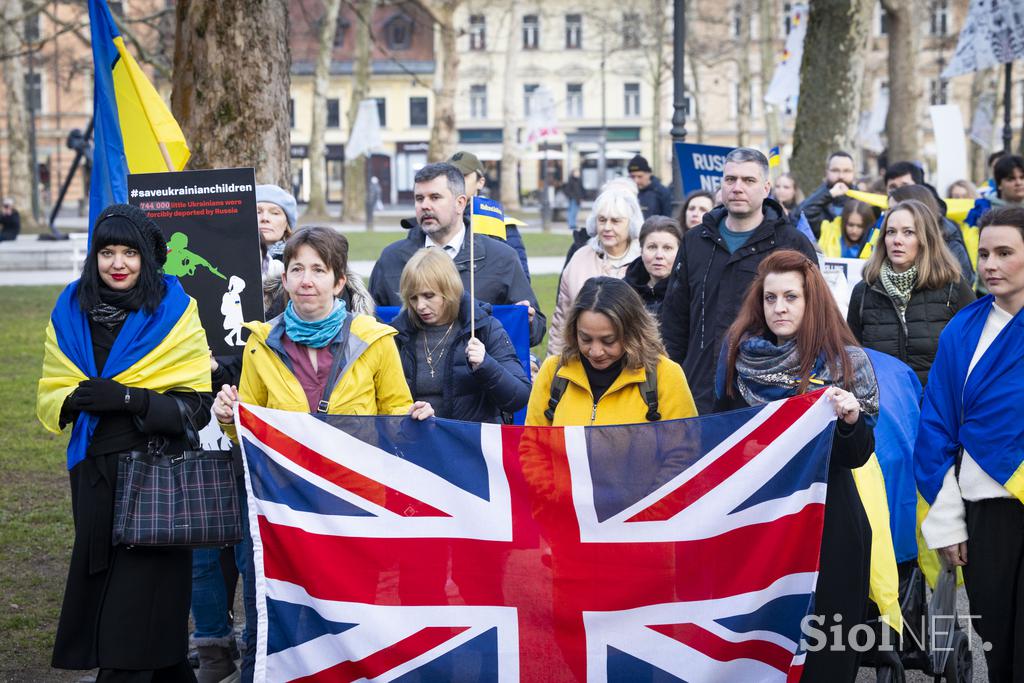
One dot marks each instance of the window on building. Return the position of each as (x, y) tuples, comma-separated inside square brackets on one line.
[(630, 30), (116, 8), (398, 32), (938, 91), (631, 97), (787, 18), (736, 20), (333, 112), (341, 26), (32, 27), (531, 31), (939, 18), (478, 101), (291, 112), (574, 100), (382, 111), (883, 20), (34, 91), (417, 111), (528, 90), (477, 32), (573, 31)]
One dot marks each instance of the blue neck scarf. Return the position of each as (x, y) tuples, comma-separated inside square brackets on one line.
[(316, 334)]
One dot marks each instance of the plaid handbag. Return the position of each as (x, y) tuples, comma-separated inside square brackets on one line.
[(185, 499)]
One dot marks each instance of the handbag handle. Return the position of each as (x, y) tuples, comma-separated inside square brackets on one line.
[(187, 418)]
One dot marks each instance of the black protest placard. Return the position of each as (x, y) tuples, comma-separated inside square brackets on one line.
[(213, 244)]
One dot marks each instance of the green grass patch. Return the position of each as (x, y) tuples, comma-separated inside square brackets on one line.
[(36, 530), (366, 246)]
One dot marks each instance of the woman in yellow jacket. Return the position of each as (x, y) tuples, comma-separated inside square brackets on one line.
[(316, 357), (611, 347)]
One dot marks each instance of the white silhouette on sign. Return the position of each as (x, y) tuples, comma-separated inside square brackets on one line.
[(231, 309)]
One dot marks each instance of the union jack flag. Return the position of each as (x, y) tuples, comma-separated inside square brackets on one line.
[(388, 549)]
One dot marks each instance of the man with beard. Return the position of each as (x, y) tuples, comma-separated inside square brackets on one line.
[(827, 201), (439, 192)]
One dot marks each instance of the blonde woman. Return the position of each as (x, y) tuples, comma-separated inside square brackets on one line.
[(912, 287), (614, 228), (466, 368)]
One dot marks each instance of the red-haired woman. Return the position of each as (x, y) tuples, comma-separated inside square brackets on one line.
[(789, 338)]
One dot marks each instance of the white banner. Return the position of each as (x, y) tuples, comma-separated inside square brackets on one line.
[(951, 154), (365, 136), (842, 275), (993, 34), (983, 123)]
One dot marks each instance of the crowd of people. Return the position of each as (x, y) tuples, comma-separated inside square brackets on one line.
[(660, 314)]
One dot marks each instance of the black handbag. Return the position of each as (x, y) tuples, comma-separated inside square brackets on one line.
[(184, 500)]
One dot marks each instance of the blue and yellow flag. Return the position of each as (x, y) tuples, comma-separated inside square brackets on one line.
[(134, 130), (774, 157), (488, 217)]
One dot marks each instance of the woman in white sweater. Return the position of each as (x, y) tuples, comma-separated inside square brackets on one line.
[(969, 457), (614, 228)]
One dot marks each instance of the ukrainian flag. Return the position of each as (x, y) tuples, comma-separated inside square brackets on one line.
[(487, 217), (134, 130), (774, 157)]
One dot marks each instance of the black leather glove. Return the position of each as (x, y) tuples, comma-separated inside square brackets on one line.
[(107, 396)]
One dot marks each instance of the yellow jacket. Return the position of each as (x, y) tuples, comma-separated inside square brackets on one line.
[(371, 381), (621, 404), (831, 243)]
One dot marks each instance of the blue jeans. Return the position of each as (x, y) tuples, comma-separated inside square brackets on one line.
[(572, 213), (209, 597)]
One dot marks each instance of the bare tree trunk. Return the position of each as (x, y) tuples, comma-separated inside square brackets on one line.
[(743, 82), (442, 134), (232, 73), (20, 176), (509, 177), (695, 115), (354, 207), (769, 22), (902, 122), (321, 76), (830, 84)]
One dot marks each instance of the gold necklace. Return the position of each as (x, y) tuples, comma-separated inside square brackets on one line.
[(429, 353)]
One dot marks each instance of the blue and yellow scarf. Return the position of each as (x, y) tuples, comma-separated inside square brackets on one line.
[(161, 351)]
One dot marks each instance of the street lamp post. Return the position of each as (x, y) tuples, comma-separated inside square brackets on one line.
[(679, 95), (1007, 106)]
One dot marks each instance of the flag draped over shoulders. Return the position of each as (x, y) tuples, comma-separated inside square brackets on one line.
[(134, 130), (163, 350), (981, 413)]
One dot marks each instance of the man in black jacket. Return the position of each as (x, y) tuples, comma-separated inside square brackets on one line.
[(826, 202), (655, 199), (716, 264), (440, 195)]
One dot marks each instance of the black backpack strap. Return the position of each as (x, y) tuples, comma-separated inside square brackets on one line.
[(558, 387), (649, 392)]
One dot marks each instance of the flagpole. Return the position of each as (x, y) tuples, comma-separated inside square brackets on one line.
[(166, 156), (472, 274)]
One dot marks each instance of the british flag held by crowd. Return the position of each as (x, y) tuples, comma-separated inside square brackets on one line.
[(388, 549)]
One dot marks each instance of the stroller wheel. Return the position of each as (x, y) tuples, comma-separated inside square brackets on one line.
[(891, 673), (960, 663)]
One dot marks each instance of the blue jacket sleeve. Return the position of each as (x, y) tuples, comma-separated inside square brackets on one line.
[(501, 374)]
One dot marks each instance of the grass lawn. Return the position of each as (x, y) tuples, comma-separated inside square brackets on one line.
[(35, 506), (366, 246)]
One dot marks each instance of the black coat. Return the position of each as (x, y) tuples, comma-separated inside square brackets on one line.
[(655, 199), (820, 206), (124, 608), (639, 279), (499, 276), (844, 569), (876, 324), (512, 238), (706, 289), (499, 385)]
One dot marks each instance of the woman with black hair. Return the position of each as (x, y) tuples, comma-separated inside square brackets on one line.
[(126, 362)]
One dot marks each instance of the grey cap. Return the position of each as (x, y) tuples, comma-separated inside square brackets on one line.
[(275, 195)]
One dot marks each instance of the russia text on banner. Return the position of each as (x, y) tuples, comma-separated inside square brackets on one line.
[(134, 130), (386, 546), (488, 217)]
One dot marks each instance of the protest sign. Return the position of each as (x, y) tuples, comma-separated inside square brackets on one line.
[(213, 244), (842, 275), (700, 166)]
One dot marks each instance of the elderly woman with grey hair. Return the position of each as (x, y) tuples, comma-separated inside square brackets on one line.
[(614, 228)]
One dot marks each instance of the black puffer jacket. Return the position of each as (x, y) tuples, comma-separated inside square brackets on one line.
[(639, 279), (876, 324), (708, 284)]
